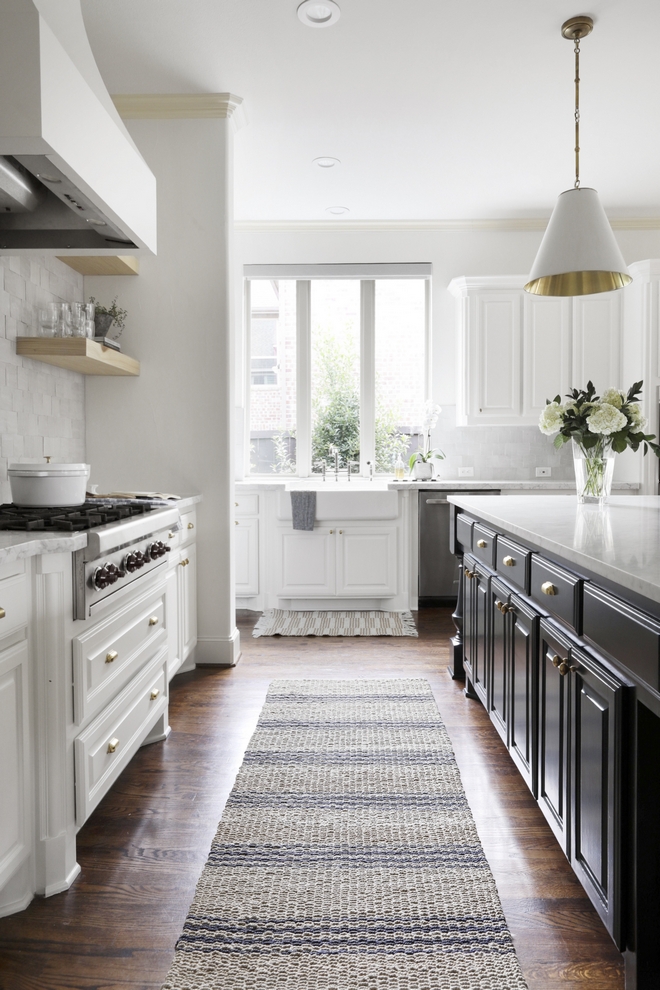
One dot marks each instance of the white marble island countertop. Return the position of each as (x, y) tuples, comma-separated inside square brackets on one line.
[(620, 541)]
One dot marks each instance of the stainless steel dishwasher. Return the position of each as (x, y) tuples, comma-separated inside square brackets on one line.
[(438, 569)]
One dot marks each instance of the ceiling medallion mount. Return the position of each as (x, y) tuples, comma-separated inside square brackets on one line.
[(319, 13), (577, 27), (579, 254)]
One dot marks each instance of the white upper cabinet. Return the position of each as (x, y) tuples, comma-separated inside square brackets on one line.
[(517, 350)]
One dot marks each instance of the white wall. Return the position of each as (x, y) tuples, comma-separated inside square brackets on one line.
[(42, 408), (169, 429), (512, 453)]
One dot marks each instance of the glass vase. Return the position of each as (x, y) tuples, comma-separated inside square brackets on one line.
[(594, 468)]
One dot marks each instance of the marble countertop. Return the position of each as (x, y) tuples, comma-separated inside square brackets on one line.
[(266, 484), (16, 544), (620, 541)]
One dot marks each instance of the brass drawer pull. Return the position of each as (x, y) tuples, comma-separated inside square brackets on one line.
[(184, 562), (112, 655), (548, 588), (154, 694), (153, 620), (112, 745), (2, 613), (482, 544), (509, 562), (191, 525)]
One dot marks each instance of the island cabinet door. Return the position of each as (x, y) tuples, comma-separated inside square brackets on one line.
[(482, 653), (599, 706), (553, 756), (498, 707), (470, 579), (522, 690)]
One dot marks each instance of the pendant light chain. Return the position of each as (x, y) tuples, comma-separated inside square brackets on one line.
[(577, 112)]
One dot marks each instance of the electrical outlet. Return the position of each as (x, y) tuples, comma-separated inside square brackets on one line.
[(543, 472), (466, 472)]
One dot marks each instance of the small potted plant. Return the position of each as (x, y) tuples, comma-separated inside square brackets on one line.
[(105, 316), (421, 462)]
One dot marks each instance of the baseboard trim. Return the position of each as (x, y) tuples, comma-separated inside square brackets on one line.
[(57, 888), (218, 651)]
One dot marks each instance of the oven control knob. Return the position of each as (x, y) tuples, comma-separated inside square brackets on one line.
[(100, 578), (130, 563), (140, 559), (151, 553), (112, 572)]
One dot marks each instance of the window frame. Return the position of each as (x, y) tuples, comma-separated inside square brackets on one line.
[(304, 275)]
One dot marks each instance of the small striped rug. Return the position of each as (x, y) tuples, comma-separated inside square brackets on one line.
[(347, 857), (288, 622)]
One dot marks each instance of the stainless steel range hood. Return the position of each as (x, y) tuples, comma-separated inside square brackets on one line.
[(71, 178)]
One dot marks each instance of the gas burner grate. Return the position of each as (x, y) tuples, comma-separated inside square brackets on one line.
[(74, 517)]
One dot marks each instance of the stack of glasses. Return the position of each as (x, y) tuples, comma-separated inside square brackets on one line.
[(67, 320)]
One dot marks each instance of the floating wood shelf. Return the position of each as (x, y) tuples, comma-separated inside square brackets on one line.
[(119, 264), (80, 354)]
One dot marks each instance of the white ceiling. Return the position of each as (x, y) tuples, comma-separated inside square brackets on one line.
[(437, 109)]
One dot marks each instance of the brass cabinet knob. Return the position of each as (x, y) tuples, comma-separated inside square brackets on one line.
[(506, 609), (331, 532), (191, 525), (170, 535), (341, 532), (153, 620), (499, 604), (236, 505), (564, 668), (184, 562), (154, 693), (2, 613), (548, 588), (112, 745), (509, 562), (236, 522), (556, 660), (482, 544), (469, 574), (112, 655)]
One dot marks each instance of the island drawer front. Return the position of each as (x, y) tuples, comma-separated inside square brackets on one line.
[(557, 591), (246, 505), (112, 652), (13, 598), (464, 526), (108, 743), (623, 633), (483, 544), (513, 562)]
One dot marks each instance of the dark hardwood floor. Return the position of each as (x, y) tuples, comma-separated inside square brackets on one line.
[(144, 847)]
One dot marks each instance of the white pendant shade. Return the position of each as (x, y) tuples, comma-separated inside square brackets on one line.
[(579, 254)]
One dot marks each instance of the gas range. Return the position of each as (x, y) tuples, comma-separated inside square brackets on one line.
[(127, 540)]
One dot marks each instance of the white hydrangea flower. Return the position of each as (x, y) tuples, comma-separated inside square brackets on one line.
[(606, 419), (614, 397), (551, 419), (636, 418)]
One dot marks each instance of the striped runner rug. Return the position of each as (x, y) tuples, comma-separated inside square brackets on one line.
[(322, 622), (347, 857)]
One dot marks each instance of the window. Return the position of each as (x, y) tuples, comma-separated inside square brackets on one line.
[(338, 359)]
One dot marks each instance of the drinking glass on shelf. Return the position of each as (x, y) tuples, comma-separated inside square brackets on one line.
[(89, 328), (78, 320), (48, 320), (64, 324)]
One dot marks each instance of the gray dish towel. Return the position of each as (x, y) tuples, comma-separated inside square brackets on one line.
[(303, 509)]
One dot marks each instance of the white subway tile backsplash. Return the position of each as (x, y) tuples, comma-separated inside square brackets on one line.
[(42, 408)]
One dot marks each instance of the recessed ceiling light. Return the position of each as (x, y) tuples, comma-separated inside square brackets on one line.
[(326, 162), (318, 13), (337, 210), (97, 223), (48, 178)]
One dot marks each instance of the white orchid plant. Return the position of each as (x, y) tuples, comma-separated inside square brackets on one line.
[(613, 419), (427, 453)]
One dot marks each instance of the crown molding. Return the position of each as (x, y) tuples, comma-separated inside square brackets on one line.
[(521, 224), (175, 106)]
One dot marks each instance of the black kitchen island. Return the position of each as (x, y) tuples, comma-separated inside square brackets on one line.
[(559, 637)]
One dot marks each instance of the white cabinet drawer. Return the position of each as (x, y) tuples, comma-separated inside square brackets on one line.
[(189, 530), (103, 750), (13, 597), (107, 656), (246, 505)]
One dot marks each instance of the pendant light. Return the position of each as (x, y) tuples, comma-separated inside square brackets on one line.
[(578, 254)]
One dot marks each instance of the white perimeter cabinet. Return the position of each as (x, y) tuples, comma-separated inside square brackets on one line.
[(516, 350), (356, 562)]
